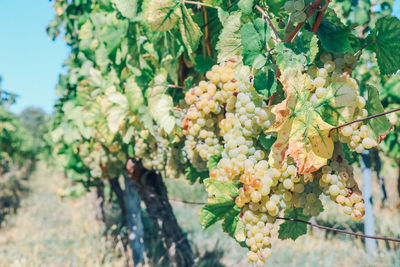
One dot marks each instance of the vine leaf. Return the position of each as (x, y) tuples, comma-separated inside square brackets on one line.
[(190, 31), (128, 8), (229, 44), (387, 44), (221, 206), (212, 162), (302, 133), (265, 83), (161, 109), (287, 58), (290, 229), (254, 37), (275, 6), (246, 6), (161, 15), (193, 175), (306, 45), (118, 112), (380, 126), (202, 63), (133, 94), (334, 35)]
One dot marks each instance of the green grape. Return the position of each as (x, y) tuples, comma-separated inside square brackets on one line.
[(299, 5)]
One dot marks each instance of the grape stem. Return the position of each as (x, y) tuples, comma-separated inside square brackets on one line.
[(207, 33), (319, 18), (266, 17), (306, 222), (339, 230), (365, 46), (366, 118), (198, 3), (176, 86), (315, 6)]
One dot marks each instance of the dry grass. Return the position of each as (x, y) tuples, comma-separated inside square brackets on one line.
[(48, 232)]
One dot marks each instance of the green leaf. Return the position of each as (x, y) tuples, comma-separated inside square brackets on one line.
[(189, 82), (190, 31), (203, 64), (229, 44), (193, 175), (293, 230), (275, 5), (146, 119), (387, 44), (128, 8), (220, 190), (221, 205), (231, 220), (285, 57), (307, 45), (266, 141), (254, 37), (334, 35), (212, 213), (212, 162), (265, 83), (380, 126), (246, 6)]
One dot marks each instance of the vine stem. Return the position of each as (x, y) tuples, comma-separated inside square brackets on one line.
[(309, 223), (339, 230), (176, 86), (198, 3), (319, 18), (265, 15), (365, 46), (366, 118)]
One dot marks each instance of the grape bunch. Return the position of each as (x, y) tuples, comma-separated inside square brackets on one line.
[(99, 162), (338, 182), (151, 149), (258, 228), (296, 9), (225, 116), (205, 111), (337, 69)]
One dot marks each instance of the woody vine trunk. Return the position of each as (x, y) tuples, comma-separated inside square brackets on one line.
[(153, 193)]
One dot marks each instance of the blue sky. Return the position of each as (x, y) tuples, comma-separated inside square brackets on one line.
[(29, 61)]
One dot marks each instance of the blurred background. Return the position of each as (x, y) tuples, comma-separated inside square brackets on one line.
[(47, 221)]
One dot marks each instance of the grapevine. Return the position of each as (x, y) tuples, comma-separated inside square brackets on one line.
[(262, 109)]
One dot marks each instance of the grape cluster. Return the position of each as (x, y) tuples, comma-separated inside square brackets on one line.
[(334, 68), (338, 182), (206, 109), (356, 135), (225, 115), (98, 160), (337, 68), (151, 149), (296, 9), (258, 228), (306, 196)]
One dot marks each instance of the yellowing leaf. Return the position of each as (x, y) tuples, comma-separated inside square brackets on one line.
[(302, 133), (310, 146)]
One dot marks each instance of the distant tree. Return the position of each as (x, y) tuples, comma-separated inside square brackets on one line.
[(35, 120)]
